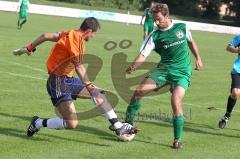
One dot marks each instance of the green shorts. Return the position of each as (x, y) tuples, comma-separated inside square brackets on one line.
[(172, 77), (148, 27), (23, 15)]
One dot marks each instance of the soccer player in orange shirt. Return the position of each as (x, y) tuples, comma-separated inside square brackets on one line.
[(66, 58)]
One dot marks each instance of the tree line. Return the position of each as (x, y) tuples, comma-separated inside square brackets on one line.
[(208, 9)]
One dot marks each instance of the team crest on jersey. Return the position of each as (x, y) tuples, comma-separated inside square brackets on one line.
[(179, 34)]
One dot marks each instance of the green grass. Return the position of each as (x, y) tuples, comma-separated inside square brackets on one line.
[(23, 94)]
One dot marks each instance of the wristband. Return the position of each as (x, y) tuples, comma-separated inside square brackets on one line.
[(88, 84), (30, 48)]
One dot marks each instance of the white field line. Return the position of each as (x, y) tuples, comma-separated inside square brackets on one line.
[(40, 70), (21, 75), (23, 65)]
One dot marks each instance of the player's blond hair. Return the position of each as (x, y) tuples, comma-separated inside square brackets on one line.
[(162, 8)]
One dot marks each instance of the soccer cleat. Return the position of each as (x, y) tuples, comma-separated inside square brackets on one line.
[(20, 51), (32, 127), (177, 144), (126, 129), (223, 122)]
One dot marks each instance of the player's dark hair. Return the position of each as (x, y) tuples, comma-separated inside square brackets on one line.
[(90, 23), (162, 8)]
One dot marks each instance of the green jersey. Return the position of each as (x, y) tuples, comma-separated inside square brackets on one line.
[(148, 15), (23, 8), (171, 44), (23, 5)]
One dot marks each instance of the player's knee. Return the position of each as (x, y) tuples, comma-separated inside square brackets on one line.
[(235, 93), (139, 93), (72, 124)]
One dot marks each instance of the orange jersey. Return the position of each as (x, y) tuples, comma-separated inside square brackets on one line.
[(69, 48)]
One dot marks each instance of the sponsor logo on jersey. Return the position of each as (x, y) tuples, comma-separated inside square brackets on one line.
[(180, 34), (173, 44)]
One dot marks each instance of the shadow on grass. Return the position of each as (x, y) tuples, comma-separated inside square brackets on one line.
[(195, 128), (22, 134), (136, 140), (94, 131), (17, 133)]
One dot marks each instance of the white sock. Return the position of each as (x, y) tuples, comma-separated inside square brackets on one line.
[(117, 125), (110, 114), (38, 123), (56, 123)]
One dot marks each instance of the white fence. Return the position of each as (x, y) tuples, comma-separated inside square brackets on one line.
[(116, 17)]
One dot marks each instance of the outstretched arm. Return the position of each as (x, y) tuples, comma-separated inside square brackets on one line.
[(32, 46), (194, 49), (233, 49), (137, 62), (147, 47), (54, 37)]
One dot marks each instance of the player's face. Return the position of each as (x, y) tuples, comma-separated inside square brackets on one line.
[(89, 35), (160, 20)]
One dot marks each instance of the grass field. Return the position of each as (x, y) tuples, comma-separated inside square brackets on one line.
[(23, 94)]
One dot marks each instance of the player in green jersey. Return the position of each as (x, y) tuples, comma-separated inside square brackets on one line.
[(149, 21), (172, 42), (22, 11)]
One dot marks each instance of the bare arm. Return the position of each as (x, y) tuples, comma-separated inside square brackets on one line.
[(233, 49), (137, 62), (32, 46), (45, 37), (81, 72), (194, 49)]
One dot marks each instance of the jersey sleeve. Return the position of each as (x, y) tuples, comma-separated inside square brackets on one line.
[(188, 34), (235, 42), (147, 46), (145, 12)]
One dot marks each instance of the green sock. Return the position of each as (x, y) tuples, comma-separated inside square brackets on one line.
[(18, 23), (178, 122), (131, 111)]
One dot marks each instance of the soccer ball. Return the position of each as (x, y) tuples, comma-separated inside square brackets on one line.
[(126, 137)]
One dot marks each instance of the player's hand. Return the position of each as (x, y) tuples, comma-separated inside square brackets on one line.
[(24, 50), (238, 49), (130, 69), (90, 87), (199, 64)]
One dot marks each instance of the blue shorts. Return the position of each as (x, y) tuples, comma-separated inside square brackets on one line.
[(235, 81), (63, 88)]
